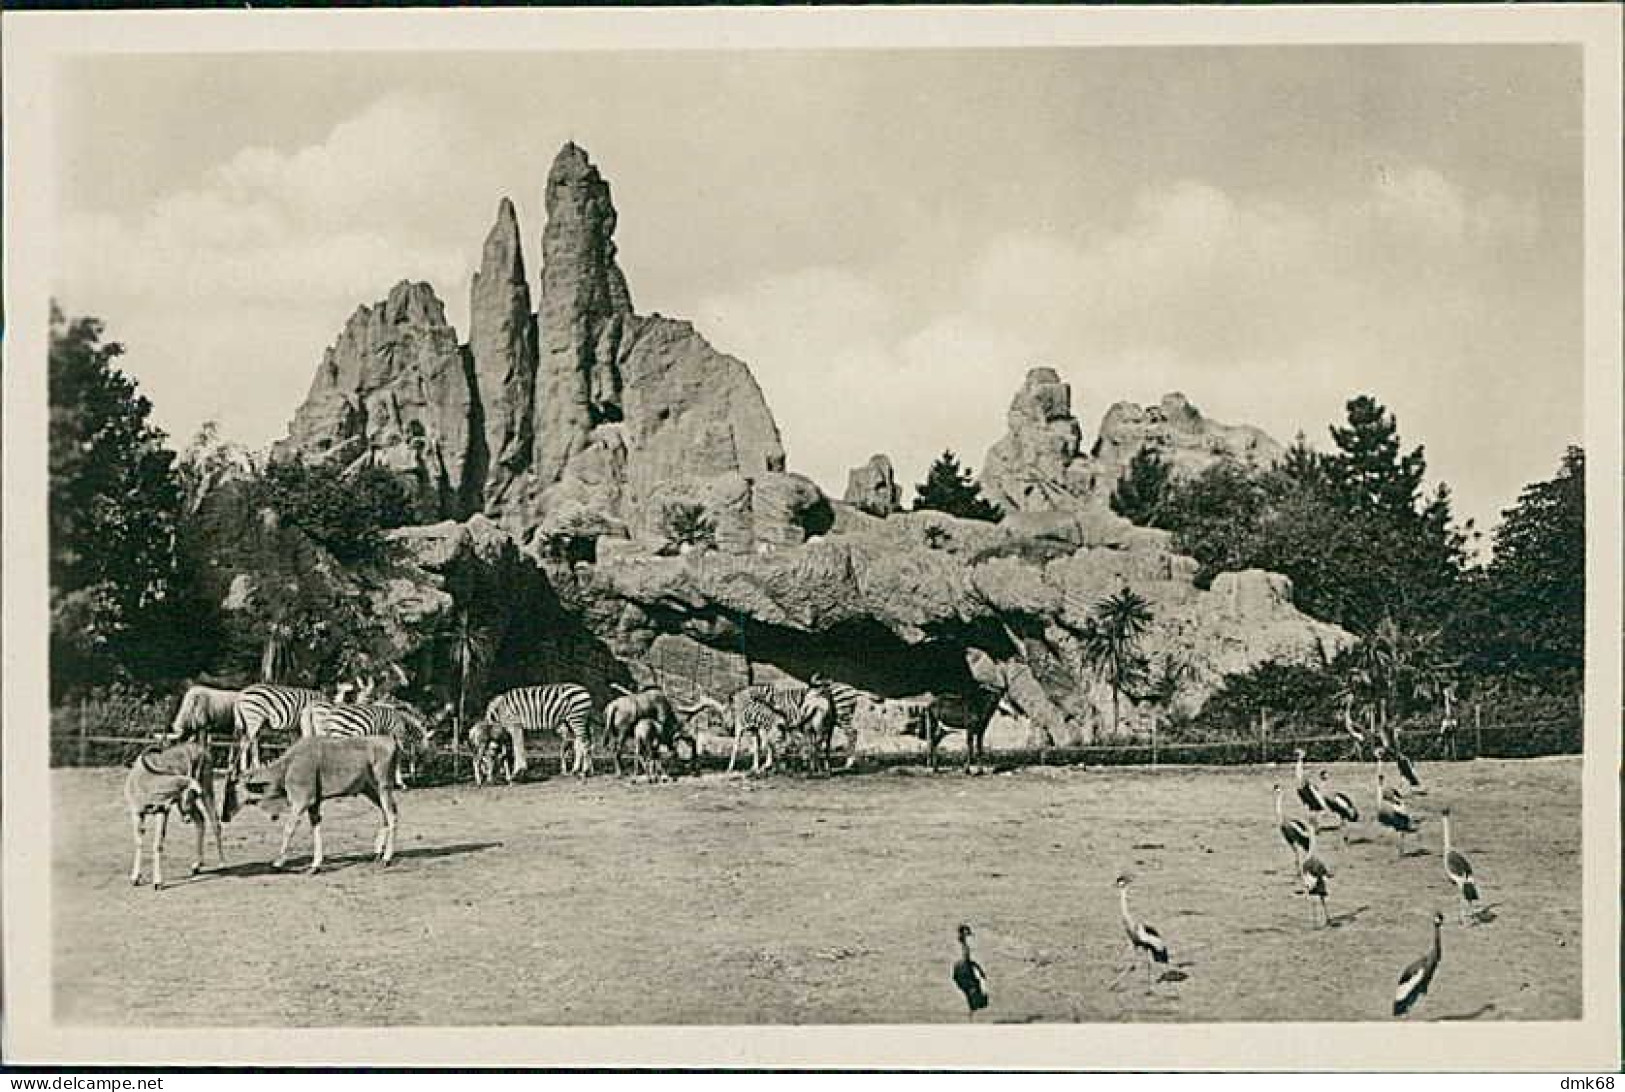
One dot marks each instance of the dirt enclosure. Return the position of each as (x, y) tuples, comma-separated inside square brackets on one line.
[(715, 900)]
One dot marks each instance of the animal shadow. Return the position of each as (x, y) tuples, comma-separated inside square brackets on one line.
[(1419, 851), (297, 865), (1339, 920), (1173, 975), (1487, 914), (1482, 1010)]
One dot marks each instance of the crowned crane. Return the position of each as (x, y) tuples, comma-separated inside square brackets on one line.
[(1393, 815), (1406, 770), (1308, 793), (969, 976), (1460, 871), (1141, 937), (1314, 873), (1294, 831), (1415, 979), (1340, 805)]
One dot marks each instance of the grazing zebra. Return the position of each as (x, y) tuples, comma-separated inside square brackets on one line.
[(825, 706), (265, 705), (763, 710), (562, 708), (396, 720)]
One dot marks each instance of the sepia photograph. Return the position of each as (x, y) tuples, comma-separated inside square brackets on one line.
[(534, 527)]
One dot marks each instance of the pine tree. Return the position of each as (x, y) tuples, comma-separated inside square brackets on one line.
[(950, 488), (1143, 490)]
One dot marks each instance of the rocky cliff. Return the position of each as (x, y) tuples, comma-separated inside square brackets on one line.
[(396, 390), (583, 413), (1040, 463), (586, 420)]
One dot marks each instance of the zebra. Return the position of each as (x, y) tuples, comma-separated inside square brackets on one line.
[(761, 710), (825, 706), (394, 719), (563, 708), (266, 705)]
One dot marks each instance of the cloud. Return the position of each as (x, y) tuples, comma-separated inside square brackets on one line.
[(226, 291), (1261, 311)]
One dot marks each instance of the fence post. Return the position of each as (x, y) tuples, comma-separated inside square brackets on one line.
[(84, 731), (1263, 736), (1478, 729)]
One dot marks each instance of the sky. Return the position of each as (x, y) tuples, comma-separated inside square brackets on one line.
[(890, 239)]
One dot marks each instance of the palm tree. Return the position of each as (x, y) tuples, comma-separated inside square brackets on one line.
[(1110, 639), (472, 649)]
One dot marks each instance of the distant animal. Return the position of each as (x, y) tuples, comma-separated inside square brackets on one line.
[(932, 717), (623, 713), (266, 705), (1340, 805), (1308, 793), (817, 719), (767, 712), (180, 778), (969, 976), (1295, 832), (202, 709), (1407, 771), (322, 768), (1460, 871), (392, 718), (1415, 979), (647, 739), (493, 750), (1141, 937), (1394, 816), (564, 709), (1314, 873)]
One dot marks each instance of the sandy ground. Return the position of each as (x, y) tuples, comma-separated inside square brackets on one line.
[(715, 901)]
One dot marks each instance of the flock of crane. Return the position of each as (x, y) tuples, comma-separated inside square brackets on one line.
[(1313, 877)]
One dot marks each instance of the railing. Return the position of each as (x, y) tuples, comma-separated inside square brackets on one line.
[(90, 740)]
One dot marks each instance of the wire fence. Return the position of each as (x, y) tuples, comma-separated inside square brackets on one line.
[(113, 731)]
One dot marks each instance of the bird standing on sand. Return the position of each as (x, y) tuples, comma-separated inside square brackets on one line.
[(1340, 805), (1314, 873), (1460, 871), (1141, 937), (1308, 793), (969, 976), (1393, 815), (1415, 979), (1295, 832)]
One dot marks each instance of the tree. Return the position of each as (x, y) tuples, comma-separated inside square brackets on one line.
[(1110, 641), (1215, 517), (1368, 469), (113, 505), (686, 524), (1144, 488), (1530, 616), (953, 489), (472, 648), (346, 513)]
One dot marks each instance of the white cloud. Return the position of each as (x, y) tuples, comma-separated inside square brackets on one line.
[(226, 292)]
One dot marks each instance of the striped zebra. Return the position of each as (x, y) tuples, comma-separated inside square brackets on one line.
[(561, 708), (825, 706), (266, 705), (394, 719), (763, 710)]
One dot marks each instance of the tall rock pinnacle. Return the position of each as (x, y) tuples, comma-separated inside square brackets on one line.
[(584, 308), (502, 343)]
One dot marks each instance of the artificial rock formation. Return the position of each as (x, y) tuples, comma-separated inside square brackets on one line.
[(396, 391), (872, 487), (1176, 428), (1040, 465), (502, 345), (582, 415)]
